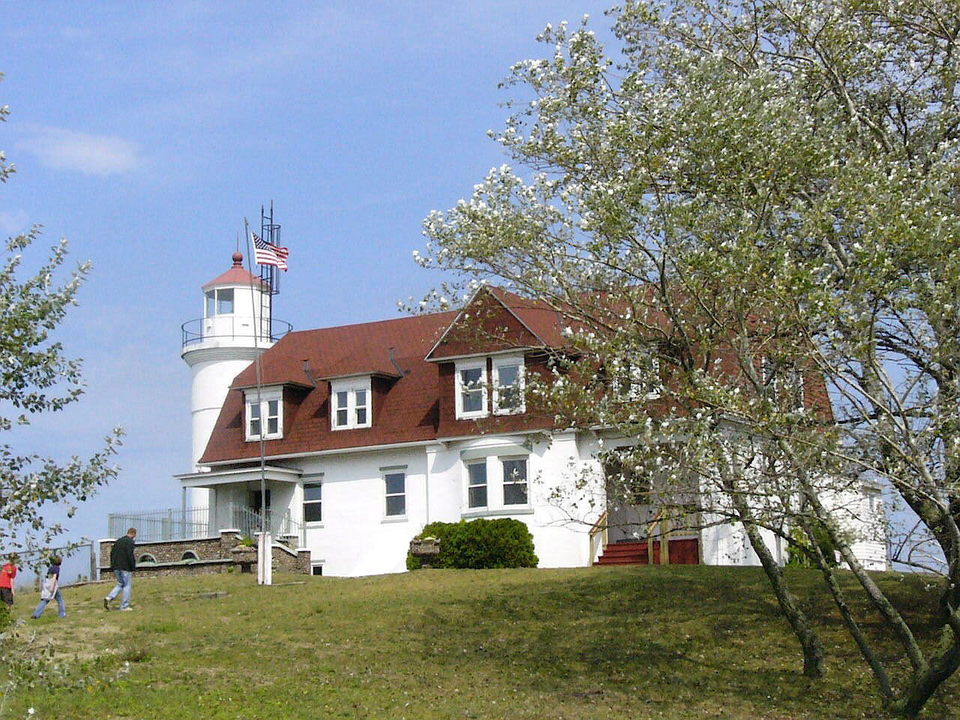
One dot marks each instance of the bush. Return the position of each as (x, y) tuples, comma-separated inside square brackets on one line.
[(500, 543), (799, 550)]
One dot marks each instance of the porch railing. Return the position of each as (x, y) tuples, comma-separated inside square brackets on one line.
[(598, 537), (191, 523)]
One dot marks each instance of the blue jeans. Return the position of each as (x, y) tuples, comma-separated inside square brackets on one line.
[(61, 606), (124, 583)]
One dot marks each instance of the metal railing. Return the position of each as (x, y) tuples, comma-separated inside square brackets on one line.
[(169, 524), (248, 522), (225, 328), (199, 522)]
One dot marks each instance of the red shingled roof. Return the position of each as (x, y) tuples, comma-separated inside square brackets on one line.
[(406, 398), (406, 412), (411, 364)]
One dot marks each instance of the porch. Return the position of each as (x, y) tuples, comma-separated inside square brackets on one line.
[(645, 535), (204, 522)]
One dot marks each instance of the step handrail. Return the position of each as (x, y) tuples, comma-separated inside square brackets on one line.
[(598, 529)]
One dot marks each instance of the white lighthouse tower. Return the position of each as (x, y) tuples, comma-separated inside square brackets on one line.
[(235, 328)]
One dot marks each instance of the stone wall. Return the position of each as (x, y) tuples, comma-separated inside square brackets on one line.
[(211, 567), (213, 555)]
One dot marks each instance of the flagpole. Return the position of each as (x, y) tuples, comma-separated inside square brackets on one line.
[(263, 551)]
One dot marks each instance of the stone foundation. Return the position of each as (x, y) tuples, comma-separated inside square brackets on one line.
[(205, 556)]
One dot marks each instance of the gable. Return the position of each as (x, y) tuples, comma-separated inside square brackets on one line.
[(496, 321)]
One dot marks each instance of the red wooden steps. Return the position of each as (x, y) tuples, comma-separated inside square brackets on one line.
[(683, 551)]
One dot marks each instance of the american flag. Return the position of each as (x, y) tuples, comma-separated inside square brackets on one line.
[(267, 254)]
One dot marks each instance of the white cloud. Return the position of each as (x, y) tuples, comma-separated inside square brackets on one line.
[(12, 223), (64, 149)]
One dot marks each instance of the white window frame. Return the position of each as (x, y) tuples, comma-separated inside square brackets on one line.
[(481, 462), (212, 300), (627, 382), (509, 361), (480, 365), (503, 479), (351, 387), (873, 497), (267, 396), (788, 382), (384, 474), (318, 482)]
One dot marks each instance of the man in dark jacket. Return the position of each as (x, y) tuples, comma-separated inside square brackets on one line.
[(123, 562)]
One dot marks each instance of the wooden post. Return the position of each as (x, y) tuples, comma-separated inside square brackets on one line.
[(651, 531), (665, 541)]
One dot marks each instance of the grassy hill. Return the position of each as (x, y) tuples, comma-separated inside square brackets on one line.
[(619, 642)]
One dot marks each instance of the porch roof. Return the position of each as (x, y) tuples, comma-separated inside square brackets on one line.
[(234, 475)]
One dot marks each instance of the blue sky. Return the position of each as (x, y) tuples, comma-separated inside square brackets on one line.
[(146, 132)]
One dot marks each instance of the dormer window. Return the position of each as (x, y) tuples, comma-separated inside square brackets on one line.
[(350, 404), (219, 302), (505, 383), (264, 414), (635, 380), (784, 381), (471, 389), (508, 385)]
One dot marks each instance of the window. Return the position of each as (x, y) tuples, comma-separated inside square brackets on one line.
[(395, 484), (219, 302), (264, 415), (508, 384), (633, 380), (874, 501), (312, 502), (784, 381), (515, 481), (350, 406), (472, 389), (190, 556), (147, 559), (316, 569), (477, 484)]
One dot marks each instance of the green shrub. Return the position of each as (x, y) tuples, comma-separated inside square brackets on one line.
[(798, 551), (500, 543)]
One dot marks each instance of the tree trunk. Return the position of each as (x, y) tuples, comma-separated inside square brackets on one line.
[(813, 653), (924, 684), (829, 577)]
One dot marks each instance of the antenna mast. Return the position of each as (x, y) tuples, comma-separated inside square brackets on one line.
[(269, 274)]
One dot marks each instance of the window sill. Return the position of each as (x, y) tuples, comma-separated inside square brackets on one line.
[(315, 525), (472, 416), (394, 519), (503, 512)]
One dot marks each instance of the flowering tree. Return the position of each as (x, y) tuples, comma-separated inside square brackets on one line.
[(37, 377), (754, 209)]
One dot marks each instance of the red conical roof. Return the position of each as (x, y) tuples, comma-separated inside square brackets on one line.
[(236, 275)]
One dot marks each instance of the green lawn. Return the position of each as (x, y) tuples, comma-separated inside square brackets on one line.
[(634, 642)]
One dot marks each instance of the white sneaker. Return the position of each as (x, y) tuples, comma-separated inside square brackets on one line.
[(126, 609)]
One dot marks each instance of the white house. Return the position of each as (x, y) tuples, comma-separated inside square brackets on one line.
[(368, 432)]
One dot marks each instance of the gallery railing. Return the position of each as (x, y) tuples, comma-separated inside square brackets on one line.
[(191, 523)]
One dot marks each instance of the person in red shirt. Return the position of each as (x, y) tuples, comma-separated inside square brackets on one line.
[(7, 574)]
